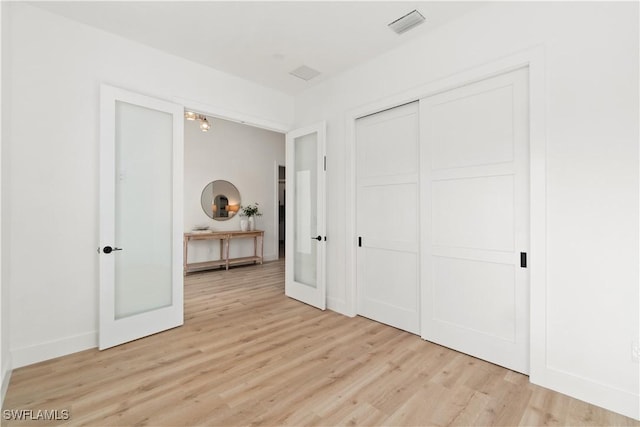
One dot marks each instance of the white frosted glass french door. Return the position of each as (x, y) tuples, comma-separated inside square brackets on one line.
[(141, 152), (387, 212), (305, 216), (475, 227)]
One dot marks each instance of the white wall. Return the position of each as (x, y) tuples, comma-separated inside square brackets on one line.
[(243, 155), (5, 365), (55, 67), (591, 57)]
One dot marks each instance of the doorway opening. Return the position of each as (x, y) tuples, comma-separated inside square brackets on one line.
[(244, 159)]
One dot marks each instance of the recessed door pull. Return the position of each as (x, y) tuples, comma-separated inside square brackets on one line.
[(109, 249), (359, 242), (523, 259)]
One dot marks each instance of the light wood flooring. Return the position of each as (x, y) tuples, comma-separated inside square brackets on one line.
[(247, 355)]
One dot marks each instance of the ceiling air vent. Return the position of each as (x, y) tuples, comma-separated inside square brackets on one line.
[(305, 73), (407, 22)]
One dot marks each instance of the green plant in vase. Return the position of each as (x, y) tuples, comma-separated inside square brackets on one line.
[(250, 211)]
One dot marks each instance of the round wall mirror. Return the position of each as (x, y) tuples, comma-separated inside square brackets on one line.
[(220, 200)]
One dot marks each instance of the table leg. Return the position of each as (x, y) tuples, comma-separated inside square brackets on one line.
[(222, 258), (185, 243), (227, 240)]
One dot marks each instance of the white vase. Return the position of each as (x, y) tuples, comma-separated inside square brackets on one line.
[(252, 223), (244, 224)]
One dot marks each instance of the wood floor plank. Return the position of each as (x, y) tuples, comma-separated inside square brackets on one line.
[(249, 356)]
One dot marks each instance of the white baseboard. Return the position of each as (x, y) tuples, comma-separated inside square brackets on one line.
[(271, 257), (49, 350), (6, 378), (616, 400)]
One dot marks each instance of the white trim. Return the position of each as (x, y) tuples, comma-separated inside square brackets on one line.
[(51, 349), (538, 216), (4, 364), (351, 278), (271, 257), (588, 390), (232, 115), (276, 209)]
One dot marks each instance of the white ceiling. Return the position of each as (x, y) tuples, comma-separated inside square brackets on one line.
[(263, 41)]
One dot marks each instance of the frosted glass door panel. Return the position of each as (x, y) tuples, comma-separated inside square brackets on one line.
[(305, 209), (143, 209)]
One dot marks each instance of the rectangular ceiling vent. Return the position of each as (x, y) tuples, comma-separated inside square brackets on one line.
[(305, 73), (407, 22)]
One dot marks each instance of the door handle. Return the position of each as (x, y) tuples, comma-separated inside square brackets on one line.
[(109, 249), (523, 259), (317, 238)]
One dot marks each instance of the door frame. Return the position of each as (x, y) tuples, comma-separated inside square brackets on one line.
[(532, 58), (231, 115), (244, 119)]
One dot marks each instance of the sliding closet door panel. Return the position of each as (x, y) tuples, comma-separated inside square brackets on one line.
[(387, 217), (475, 199)]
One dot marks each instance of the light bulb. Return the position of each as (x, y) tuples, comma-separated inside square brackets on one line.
[(204, 125), (190, 115)]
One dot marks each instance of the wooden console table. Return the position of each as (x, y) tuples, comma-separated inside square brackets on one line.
[(225, 238)]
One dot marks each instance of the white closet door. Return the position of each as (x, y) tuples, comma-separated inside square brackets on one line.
[(387, 217), (475, 199)]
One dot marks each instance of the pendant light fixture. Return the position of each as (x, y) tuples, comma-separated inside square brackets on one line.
[(204, 123)]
